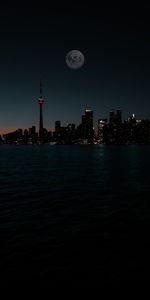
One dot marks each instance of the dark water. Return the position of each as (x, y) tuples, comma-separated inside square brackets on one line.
[(76, 215)]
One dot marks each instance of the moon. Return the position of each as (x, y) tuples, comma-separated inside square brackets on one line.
[(75, 59)]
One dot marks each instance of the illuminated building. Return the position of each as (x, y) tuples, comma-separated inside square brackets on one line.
[(101, 124)]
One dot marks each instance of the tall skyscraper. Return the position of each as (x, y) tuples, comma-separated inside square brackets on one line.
[(41, 102), (57, 126), (118, 116), (87, 125), (101, 125), (115, 117), (112, 117)]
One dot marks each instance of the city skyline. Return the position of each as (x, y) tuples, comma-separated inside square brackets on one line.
[(110, 131), (65, 122), (34, 44), (114, 117)]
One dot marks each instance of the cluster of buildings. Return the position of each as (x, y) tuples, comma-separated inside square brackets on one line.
[(112, 131), (70, 134), (116, 131)]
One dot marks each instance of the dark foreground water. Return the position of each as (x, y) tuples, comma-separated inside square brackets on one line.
[(74, 215)]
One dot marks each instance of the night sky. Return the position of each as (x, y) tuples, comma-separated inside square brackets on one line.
[(34, 41)]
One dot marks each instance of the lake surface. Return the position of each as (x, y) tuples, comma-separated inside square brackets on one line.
[(76, 215)]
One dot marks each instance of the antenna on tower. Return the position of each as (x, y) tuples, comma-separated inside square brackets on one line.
[(40, 87)]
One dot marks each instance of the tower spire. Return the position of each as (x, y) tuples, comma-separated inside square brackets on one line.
[(40, 87), (41, 102)]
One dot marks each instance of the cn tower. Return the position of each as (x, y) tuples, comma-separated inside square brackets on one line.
[(41, 102)]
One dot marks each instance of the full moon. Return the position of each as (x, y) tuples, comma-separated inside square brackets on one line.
[(74, 59)]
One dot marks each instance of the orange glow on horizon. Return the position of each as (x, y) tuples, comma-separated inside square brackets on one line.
[(6, 130), (9, 130)]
